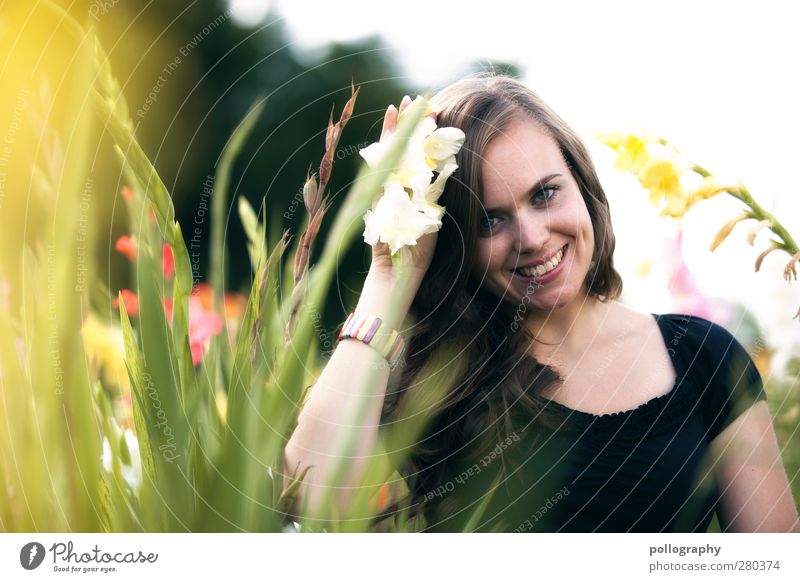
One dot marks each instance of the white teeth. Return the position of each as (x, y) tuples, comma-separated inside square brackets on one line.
[(542, 269)]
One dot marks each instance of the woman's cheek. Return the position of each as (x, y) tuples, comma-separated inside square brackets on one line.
[(486, 255)]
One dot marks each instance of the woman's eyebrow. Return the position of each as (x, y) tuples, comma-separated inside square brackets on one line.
[(532, 190)]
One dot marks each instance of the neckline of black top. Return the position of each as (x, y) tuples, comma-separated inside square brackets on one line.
[(650, 415)]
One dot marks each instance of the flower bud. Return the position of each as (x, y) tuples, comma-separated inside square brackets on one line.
[(711, 186), (726, 230), (310, 194), (751, 236), (348, 107), (760, 258), (790, 271)]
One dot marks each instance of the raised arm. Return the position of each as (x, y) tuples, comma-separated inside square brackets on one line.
[(356, 375)]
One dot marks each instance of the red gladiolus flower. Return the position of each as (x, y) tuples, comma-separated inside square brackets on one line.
[(203, 325), (168, 261), (381, 499), (127, 246), (130, 300), (168, 309)]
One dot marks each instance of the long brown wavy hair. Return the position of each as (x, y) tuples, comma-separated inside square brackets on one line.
[(499, 388)]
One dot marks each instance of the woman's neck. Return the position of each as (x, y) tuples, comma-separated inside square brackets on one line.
[(569, 329)]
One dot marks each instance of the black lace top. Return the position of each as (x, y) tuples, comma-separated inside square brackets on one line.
[(641, 470)]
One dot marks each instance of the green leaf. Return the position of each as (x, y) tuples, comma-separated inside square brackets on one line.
[(166, 407), (288, 498), (183, 268), (254, 232), (219, 198), (146, 175), (475, 518), (135, 366), (219, 202)]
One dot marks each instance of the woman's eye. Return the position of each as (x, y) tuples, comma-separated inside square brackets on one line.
[(488, 223), (546, 194)]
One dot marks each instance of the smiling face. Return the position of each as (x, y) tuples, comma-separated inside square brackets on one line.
[(536, 238)]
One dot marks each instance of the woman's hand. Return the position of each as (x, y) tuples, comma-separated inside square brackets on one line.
[(414, 260)]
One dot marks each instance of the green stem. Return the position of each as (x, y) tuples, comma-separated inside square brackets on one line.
[(759, 213), (788, 242)]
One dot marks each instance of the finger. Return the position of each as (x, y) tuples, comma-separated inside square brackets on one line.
[(405, 103), (380, 251), (389, 120)]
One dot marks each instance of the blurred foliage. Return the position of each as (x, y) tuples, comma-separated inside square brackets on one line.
[(208, 450), (222, 69)]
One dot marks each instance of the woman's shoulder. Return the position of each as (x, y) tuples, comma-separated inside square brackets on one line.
[(689, 338), (718, 364), (697, 336)]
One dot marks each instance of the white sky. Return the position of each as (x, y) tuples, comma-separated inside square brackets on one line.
[(718, 79)]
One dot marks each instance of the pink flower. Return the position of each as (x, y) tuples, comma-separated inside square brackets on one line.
[(167, 261), (127, 246), (130, 300), (688, 296), (203, 326)]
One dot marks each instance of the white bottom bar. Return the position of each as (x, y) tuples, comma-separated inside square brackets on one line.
[(386, 557)]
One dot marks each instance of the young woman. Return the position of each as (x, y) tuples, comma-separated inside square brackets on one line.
[(574, 412)]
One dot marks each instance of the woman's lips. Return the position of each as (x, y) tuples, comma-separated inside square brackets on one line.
[(550, 275)]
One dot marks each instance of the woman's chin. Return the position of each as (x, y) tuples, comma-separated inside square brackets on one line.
[(540, 301), (552, 301)]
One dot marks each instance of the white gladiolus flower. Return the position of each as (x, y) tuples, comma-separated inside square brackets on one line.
[(443, 143), (396, 220), (426, 199), (408, 208), (132, 473)]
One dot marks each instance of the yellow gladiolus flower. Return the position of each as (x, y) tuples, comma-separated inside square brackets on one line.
[(105, 349), (676, 206), (643, 269), (661, 178), (711, 186), (221, 401), (631, 151)]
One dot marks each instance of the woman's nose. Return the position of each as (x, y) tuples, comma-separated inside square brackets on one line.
[(533, 233)]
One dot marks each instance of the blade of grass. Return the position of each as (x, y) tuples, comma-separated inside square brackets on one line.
[(219, 204), (139, 403), (146, 175), (475, 518)]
